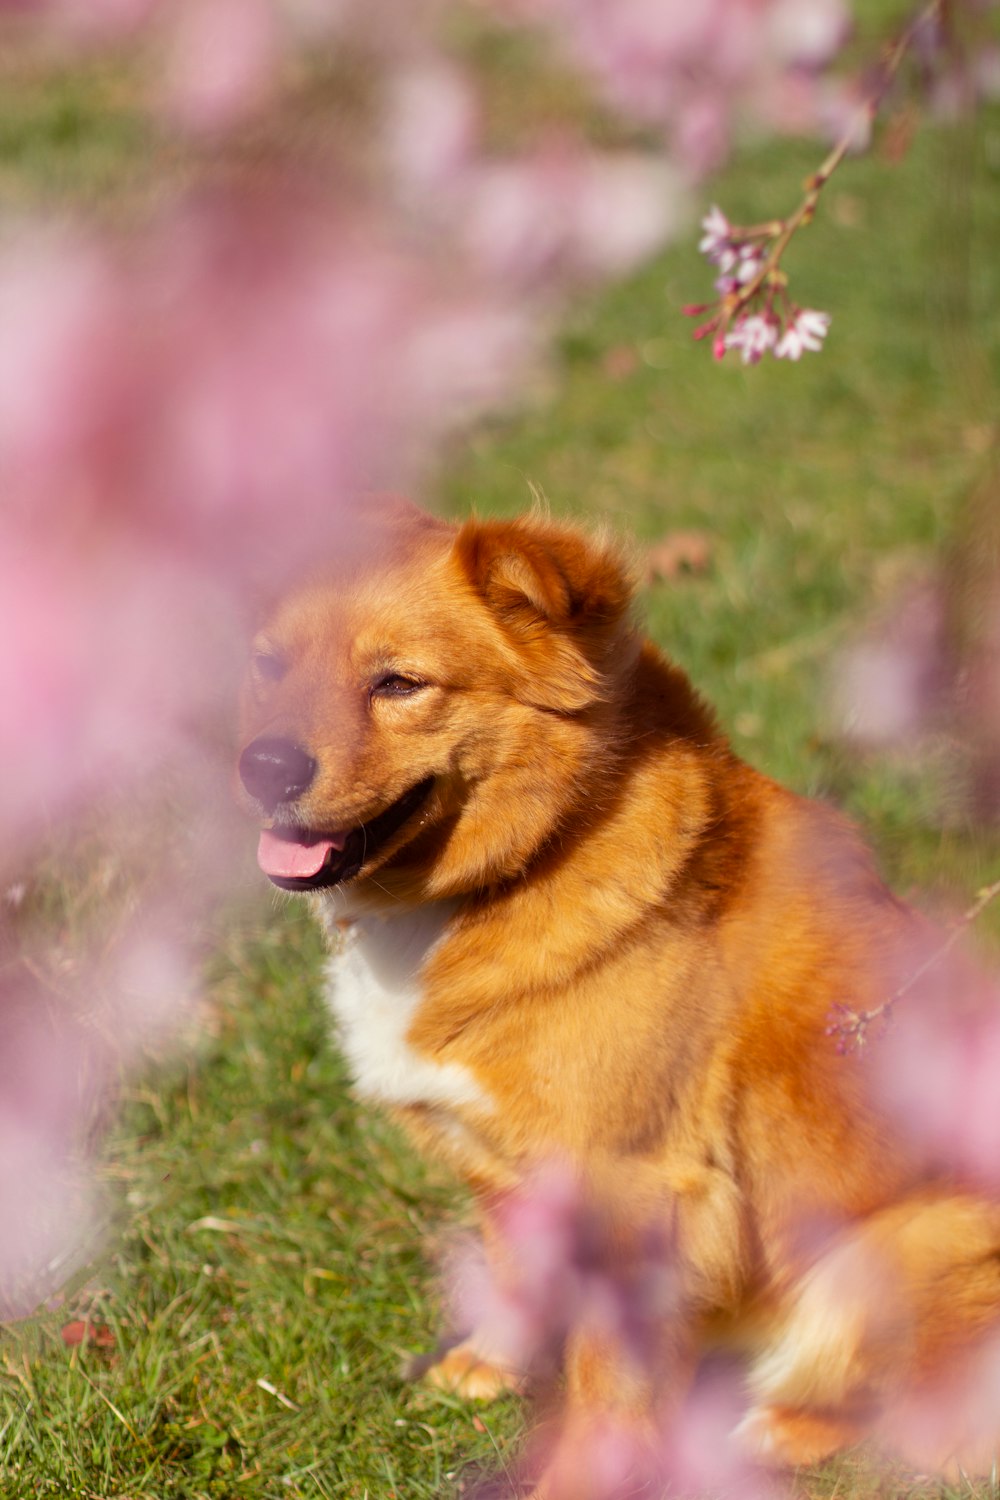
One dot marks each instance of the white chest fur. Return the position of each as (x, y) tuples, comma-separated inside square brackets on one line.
[(374, 988)]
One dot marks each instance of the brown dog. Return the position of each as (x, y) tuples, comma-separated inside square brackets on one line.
[(577, 927)]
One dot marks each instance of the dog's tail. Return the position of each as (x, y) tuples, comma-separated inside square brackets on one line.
[(895, 1331)]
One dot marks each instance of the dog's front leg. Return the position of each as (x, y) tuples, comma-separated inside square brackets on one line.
[(621, 1399), (483, 1365)]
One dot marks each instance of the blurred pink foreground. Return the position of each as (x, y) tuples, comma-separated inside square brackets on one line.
[(189, 408)]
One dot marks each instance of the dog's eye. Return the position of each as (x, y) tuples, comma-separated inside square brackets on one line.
[(395, 685), (267, 667)]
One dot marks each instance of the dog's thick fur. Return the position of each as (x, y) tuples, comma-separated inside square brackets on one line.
[(600, 937)]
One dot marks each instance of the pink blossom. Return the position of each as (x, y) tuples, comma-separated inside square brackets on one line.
[(702, 134), (751, 259), (951, 1411), (749, 317), (807, 33), (716, 242), (563, 1274), (936, 1069), (753, 335), (690, 68), (626, 207), (93, 20), (430, 128), (66, 369), (891, 685), (222, 61), (254, 347), (806, 330), (639, 48), (986, 71), (739, 258)]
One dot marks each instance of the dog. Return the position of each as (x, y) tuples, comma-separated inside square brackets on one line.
[(574, 926)]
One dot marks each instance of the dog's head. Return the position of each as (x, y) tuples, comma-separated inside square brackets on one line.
[(420, 719)]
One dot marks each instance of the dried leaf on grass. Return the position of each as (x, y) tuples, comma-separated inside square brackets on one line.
[(272, 1390), (213, 1224), (679, 552), (81, 1331)]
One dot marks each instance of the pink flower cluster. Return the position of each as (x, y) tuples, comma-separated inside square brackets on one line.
[(738, 259), (754, 314), (756, 334)]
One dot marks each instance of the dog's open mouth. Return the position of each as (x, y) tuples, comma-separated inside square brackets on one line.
[(303, 859)]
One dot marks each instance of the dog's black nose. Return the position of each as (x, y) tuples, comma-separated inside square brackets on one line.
[(275, 771)]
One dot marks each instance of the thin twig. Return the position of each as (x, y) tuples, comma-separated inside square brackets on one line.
[(781, 231), (851, 1027)]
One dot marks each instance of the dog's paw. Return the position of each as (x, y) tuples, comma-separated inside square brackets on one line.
[(788, 1438), (464, 1371)]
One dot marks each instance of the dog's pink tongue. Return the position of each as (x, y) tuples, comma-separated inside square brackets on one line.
[(292, 854)]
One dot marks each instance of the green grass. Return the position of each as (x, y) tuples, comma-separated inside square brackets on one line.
[(264, 1279), (266, 1266)]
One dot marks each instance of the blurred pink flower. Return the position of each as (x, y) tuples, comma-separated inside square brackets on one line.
[(953, 1412), (101, 672), (892, 684), (807, 33), (257, 347), (702, 134), (691, 69), (94, 19), (561, 213), (430, 128), (702, 1451), (936, 1069), (223, 58), (67, 369), (182, 419), (562, 1274), (523, 1315)]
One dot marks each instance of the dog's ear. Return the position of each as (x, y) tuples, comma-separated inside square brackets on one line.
[(529, 570), (561, 596)]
